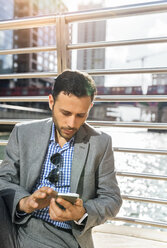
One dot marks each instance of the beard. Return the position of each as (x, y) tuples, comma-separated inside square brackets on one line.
[(65, 132)]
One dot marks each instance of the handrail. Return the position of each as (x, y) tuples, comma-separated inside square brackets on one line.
[(141, 175), (91, 72), (98, 98), (161, 126), (130, 98), (3, 142), (24, 99), (141, 222), (99, 72), (29, 22), (138, 150), (103, 44), (28, 50), (89, 45), (104, 13), (21, 108), (29, 75), (117, 12), (13, 121), (144, 199)]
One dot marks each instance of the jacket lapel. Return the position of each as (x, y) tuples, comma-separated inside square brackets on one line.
[(81, 148), (39, 154)]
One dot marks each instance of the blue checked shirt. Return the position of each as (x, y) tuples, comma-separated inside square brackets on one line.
[(63, 184)]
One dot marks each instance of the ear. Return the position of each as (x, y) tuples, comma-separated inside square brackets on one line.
[(91, 106), (51, 102)]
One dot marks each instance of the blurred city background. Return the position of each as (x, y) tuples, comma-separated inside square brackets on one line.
[(112, 57)]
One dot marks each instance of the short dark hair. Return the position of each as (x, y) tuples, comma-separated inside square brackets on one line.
[(74, 82)]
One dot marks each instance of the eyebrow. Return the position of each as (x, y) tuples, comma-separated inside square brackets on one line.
[(64, 110)]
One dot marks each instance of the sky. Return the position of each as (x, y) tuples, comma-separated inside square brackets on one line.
[(145, 26)]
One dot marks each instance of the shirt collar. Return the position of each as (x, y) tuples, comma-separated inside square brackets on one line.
[(52, 136)]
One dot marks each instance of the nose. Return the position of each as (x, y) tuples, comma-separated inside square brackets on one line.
[(71, 122)]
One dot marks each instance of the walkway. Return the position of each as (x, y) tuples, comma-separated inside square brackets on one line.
[(110, 236)]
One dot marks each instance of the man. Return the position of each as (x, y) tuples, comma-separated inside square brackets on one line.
[(62, 154)]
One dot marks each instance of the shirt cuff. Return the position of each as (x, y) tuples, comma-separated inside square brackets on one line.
[(79, 222), (20, 214)]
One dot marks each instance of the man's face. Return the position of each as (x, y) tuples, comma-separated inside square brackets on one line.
[(69, 113)]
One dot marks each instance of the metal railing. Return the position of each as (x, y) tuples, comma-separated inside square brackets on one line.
[(62, 47)]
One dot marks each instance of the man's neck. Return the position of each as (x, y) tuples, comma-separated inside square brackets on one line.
[(59, 139)]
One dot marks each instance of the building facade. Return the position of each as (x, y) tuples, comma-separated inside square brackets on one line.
[(91, 58), (44, 36), (6, 41)]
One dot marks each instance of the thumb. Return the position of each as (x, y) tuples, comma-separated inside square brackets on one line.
[(79, 202)]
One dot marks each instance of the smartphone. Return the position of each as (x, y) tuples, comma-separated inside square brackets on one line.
[(71, 197)]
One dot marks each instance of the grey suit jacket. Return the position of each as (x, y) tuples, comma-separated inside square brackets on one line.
[(93, 174)]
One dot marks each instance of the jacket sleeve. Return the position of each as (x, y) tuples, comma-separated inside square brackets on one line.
[(10, 174), (107, 201)]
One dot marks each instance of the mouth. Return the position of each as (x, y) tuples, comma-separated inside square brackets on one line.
[(68, 131)]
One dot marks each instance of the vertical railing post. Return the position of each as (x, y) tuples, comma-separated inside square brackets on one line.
[(62, 39), (64, 42), (58, 44)]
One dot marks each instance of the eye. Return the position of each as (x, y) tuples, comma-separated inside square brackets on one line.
[(81, 115), (66, 113)]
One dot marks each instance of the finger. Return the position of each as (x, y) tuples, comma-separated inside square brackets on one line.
[(43, 193), (57, 207), (64, 203), (79, 202), (30, 205), (46, 190), (50, 192), (33, 204), (39, 195), (54, 194), (55, 212)]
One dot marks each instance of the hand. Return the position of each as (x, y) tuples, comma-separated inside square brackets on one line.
[(38, 200), (71, 212)]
